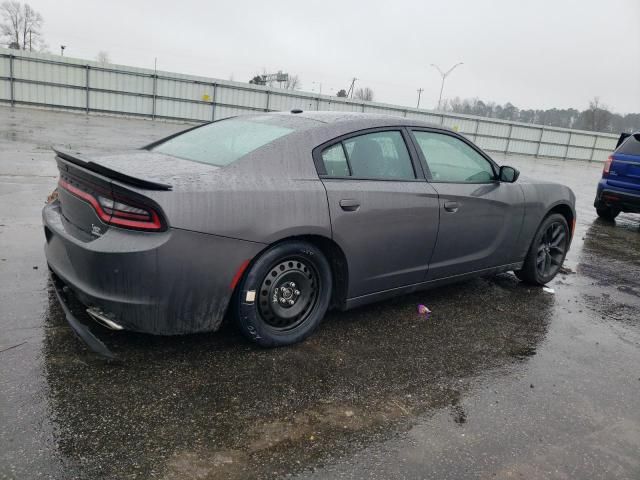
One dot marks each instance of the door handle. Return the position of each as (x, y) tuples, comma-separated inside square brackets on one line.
[(451, 206), (349, 205)]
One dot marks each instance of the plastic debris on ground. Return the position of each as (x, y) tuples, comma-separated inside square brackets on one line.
[(548, 289), (423, 310)]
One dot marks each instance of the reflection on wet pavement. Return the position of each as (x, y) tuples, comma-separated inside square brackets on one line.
[(502, 381)]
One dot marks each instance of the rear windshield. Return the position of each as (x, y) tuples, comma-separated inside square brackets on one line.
[(223, 142), (631, 145)]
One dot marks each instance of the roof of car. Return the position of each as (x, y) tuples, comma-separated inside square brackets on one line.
[(376, 119)]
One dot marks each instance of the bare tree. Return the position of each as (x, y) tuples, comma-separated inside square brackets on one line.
[(597, 117), (292, 83), (365, 94), (103, 57), (21, 26)]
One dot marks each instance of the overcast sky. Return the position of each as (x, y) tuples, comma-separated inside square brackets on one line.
[(536, 54)]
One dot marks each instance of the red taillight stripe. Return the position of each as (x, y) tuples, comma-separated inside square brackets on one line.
[(607, 165), (153, 224), (239, 273)]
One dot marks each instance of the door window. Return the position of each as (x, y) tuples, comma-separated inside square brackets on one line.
[(451, 160), (335, 162), (382, 155)]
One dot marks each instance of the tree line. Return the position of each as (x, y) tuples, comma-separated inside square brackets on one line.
[(597, 117)]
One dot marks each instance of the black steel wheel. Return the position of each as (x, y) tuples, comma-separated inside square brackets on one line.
[(547, 252), (288, 293), (284, 294)]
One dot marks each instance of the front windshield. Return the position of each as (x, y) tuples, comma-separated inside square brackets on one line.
[(223, 142)]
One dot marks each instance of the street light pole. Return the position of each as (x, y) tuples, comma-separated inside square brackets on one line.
[(444, 76), (420, 90), (62, 47)]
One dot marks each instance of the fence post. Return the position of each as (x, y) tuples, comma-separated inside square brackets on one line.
[(13, 99), (475, 131), (506, 150), (266, 108), (87, 67), (155, 94), (213, 102), (405, 114), (539, 142), (593, 147), (566, 152)]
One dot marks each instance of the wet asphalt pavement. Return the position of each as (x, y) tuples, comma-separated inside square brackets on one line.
[(503, 381)]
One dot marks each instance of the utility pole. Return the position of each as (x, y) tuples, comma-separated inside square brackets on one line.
[(353, 83), (420, 90), (444, 77), (62, 47)]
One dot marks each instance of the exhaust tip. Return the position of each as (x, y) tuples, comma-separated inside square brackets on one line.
[(100, 317)]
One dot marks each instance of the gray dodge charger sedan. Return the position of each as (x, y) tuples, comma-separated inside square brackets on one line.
[(271, 219)]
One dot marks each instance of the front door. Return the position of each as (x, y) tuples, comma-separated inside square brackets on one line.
[(480, 217), (383, 214)]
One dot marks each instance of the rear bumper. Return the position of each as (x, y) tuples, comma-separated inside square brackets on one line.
[(621, 198), (165, 283)]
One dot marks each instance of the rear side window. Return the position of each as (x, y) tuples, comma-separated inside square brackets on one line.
[(335, 161), (631, 145), (379, 155), (221, 143)]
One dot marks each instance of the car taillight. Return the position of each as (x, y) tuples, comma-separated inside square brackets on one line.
[(117, 211), (607, 165)]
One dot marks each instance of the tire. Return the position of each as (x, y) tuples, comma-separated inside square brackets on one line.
[(292, 286), (607, 213), (547, 252)]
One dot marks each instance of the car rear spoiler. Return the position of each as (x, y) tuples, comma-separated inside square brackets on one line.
[(77, 159), (623, 137)]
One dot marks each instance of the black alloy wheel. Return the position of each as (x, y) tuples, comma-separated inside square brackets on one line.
[(547, 251), (551, 250)]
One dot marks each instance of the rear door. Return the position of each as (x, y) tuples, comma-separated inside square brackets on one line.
[(480, 217), (384, 214), (625, 167)]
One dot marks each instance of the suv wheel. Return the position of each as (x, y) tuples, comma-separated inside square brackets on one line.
[(607, 212)]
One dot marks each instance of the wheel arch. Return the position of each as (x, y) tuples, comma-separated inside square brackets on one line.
[(567, 212), (331, 250)]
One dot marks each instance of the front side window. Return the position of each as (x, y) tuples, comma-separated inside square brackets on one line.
[(451, 160), (379, 155), (221, 143)]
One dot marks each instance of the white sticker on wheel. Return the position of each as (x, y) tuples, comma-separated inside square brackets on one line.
[(251, 296)]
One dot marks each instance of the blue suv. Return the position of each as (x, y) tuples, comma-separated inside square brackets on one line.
[(619, 188)]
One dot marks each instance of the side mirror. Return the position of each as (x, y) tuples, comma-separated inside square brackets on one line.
[(508, 174)]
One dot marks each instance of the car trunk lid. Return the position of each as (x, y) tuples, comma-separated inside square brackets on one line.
[(97, 192), (624, 171)]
